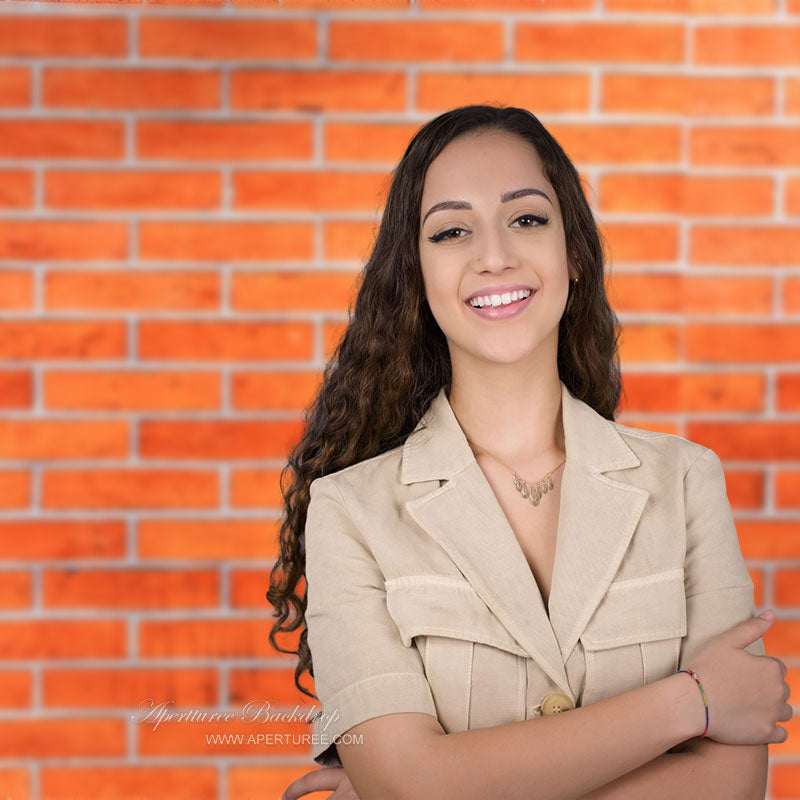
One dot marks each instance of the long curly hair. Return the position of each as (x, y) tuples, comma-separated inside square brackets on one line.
[(392, 358)]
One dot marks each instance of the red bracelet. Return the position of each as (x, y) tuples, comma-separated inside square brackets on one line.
[(691, 673)]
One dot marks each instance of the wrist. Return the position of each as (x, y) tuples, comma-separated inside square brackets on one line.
[(689, 719)]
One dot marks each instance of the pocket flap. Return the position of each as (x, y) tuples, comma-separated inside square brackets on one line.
[(440, 606), (640, 609)]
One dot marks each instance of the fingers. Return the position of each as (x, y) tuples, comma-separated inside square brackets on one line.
[(318, 780)]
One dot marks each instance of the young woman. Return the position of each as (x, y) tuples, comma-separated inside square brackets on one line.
[(502, 582)]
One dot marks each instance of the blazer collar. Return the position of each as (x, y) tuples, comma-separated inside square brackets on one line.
[(597, 517)]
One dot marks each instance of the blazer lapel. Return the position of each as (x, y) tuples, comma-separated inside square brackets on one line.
[(596, 521)]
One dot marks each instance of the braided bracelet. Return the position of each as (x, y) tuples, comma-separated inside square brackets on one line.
[(691, 673)]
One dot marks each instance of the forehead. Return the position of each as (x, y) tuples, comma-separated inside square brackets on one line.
[(489, 161)]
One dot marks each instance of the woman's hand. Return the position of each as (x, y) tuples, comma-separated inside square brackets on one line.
[(320, 780)]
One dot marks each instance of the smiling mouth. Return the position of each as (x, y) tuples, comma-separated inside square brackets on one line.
[(499, 300)]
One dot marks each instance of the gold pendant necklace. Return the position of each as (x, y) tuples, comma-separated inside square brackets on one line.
[(530, 491)]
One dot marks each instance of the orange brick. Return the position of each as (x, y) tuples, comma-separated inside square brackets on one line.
[(51, 339), (786, 587), (509, 5), (417, 40), (373, 141), (791, 295), (694, 391), (37, 539), (650, 343), (129, 489), (120, 190), (15, 87), (745, 489), (104, 688), (293, 291), (130, 588), (745, 295), (332, 333), (59, 638), (16, 290), (787, 490), (787, 391), (16, 188), (156, 783), (695, 96), (51, 438), (770, 342), (217, 539), (118, 88), (221, 140), (16, 691), (767, 245), (61, 138), (769, 538), (229, 39), (792, 196), (274, 391), (63, 35), (16, 591), (255, 488), (652, 292), (745, 146), (791, 96), (599, 41), (15, 489), (348, 240), (178, 291), (326, 5), (226, 241), (762, 440), (62, 738), (620, 144), (218, 439), (332, 190), (16, 388), (641, 242), (225, 341), (110, 390), (276, 684), (318, 90), (63, 239), (746, 45), (681, 194), (694, 6), (537, 91), (206, 638)]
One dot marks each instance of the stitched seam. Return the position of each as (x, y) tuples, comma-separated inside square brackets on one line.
[(663, 633), (429, 580), (425, 629), (374, 678), (647, 580), (699, 456)]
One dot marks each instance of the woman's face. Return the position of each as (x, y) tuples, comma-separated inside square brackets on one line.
[(496, 236)]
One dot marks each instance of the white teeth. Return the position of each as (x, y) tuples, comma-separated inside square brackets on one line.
[(499, 299)]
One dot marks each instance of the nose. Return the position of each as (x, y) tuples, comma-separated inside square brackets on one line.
[(494, 251)]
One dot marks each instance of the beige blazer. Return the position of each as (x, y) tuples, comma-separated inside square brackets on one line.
[(421, 599)]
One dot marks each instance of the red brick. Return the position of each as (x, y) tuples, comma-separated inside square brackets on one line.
[(415, 41), (118, 291), (61, 239), (130, 489), (53, 339), (599, 41), (65, 438), (118, 88), (221, 140), (16, 188), (255, 488), (63, 35), (15, 87), (220, 240), (293, 291), (318, 90), (229, 39), (274, 391), (61, 539), (59, 638), (120, 190), (110, 390), (204, 539), (61, 138), (758, 343)]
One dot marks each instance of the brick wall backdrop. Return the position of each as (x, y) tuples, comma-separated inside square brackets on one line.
[(186, 193)]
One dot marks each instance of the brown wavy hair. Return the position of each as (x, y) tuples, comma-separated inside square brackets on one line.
[(392, 358)]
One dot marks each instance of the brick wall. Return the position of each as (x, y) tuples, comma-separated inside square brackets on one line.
[(187, 191)]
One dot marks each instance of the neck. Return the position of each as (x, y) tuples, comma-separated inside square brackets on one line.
[(517, 422)]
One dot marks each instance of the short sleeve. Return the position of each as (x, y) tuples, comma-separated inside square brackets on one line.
[(719, 590), (362, 669)]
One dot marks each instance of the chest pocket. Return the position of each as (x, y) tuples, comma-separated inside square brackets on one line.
[(475, 668), (634, 636)]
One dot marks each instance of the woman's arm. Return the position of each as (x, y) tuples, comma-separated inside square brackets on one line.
[(556, 757), (703, 769)]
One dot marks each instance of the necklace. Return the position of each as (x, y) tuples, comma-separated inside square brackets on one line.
[(531, 491)]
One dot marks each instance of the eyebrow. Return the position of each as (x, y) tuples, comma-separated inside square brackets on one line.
[(461, 205)]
